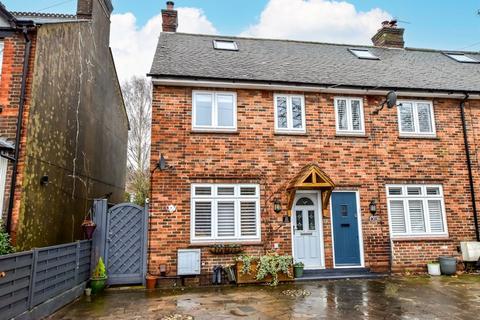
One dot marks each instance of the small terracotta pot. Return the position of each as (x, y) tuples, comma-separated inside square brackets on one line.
[(151, 282)]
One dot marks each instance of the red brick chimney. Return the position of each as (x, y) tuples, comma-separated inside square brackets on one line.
[(389, 35), (169, 18)]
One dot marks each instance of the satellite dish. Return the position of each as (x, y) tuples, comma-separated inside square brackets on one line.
[(391, 100)]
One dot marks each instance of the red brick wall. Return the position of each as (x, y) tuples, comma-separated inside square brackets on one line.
[(255, 154)]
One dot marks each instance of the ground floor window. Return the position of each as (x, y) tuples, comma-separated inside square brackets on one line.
[(416, 210), (225, 212)]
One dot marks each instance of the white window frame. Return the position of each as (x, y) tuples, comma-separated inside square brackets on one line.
[(289, 128), (214, 126), (2, 46), (426, 215), (350, 130), (417, 132), (214, 198)]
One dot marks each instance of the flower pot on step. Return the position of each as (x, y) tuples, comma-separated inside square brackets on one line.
[(298, 271), (98, 284), (151, 282)]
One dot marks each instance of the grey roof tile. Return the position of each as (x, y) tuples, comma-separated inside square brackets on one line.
[(189, 55)]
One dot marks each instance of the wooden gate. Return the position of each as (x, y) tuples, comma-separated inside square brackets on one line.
[(122, 238)]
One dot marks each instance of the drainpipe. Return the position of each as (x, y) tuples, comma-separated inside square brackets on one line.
[(21, 107), (469, 166)]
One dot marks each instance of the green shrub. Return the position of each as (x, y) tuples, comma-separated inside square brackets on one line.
[(100, 271), (5, 244)]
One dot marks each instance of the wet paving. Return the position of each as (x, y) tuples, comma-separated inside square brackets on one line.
[(394, 298)]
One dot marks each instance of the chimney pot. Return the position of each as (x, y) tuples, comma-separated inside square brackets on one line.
[(389, 35), (170, 5)]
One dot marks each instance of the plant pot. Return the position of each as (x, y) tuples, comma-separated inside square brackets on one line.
[(298, 272), (434, 269), (97, 284), (88, 227), (448, 265), (88, 292), (151, 282)]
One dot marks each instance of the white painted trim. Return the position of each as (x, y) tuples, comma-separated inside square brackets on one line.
[(304, 88), (214, 126), (289, 128), (3, 180), (360, 231), (417, 133), (350, 130), (404, 197), (320, 228)]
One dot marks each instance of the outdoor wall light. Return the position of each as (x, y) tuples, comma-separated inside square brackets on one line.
[(373, 207), (44, 181), (277, 205)]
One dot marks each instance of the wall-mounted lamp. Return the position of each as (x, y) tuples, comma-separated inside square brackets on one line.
[(44, 181), (372, 207), (277, 205)]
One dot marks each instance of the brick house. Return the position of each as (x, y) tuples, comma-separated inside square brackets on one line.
[(58, 81), (249, 126)]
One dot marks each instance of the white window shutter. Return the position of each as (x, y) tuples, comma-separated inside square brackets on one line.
[(226, 219), (342, 114), (417, 220), (203, 219), (436, 216), (248, 218), (424, 118), (397, 217), (406, 118), (356, 116)]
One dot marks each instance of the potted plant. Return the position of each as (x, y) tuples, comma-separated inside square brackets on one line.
[(271, 268), (151, 281), (433, 268), (88, 227), (99, 277), (298, 269)]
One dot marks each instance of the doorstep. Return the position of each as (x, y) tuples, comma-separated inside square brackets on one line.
[(335, 274)]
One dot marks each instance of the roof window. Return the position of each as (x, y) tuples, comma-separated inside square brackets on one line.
[(461, 57), (225, 45), (363, 54)]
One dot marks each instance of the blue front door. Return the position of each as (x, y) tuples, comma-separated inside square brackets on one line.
[(345, 229)]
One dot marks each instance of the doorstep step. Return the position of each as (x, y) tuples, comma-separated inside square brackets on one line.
[(333, 274)]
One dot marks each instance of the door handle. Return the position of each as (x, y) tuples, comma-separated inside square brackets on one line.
[(306, 233)]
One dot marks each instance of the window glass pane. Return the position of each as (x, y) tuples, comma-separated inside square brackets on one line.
[(203, 191), (414, 191), (356, 115), (299, 220), (406, 118), (424, 118), (282, 112), (225, 105), (395, 191), (363, 54), (248, 218), (225, 45), (226, 219), (342, 114), (397, 217), (203, 219), (417, 221), (248, 191), (203, 112), (226, 191), (304, 202), (311, 220), (297, 113), (435, 215), (433, 191)]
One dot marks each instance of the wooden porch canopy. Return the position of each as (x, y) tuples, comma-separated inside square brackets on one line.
[(311, 177)]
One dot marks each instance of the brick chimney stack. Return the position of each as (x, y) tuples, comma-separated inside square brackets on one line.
[(169, 18), (389, 35)]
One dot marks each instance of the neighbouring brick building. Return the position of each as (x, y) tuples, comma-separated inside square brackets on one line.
[(71, 145), (245, 125)]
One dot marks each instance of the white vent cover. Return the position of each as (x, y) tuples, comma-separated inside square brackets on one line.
[(470, 250), (188, 262)]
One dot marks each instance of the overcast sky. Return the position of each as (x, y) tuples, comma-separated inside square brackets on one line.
[(136, 24)]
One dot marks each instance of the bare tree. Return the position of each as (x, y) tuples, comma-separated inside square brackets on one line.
[(137, 93)]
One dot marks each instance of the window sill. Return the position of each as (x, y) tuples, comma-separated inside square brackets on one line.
[(425, 238), (212, 243), (350, 135), (418, 137), (233, 132), (290, 133)]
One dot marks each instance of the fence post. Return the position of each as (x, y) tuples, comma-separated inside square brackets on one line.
[(100, 208), (77, 262), (33, 276)]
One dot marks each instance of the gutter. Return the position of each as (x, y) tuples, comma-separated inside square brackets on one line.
[(21, 107), (469, 166)]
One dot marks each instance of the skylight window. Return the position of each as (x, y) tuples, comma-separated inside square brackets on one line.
[(363, 54), (225, 45), (461, 57)]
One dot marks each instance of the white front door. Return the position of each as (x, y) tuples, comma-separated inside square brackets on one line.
[(306, 231)]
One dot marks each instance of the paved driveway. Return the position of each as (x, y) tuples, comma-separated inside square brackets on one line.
[(397, 298)]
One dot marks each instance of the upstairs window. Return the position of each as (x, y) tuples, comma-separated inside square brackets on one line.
[(363, 54), (461, 57), (225, 45), (416, 210), (416, 119), (225, 212), (214, 111), (289, 113), (349, 115)]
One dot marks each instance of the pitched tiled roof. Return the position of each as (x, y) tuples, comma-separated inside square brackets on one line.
[(193, 56), (42, 18)]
